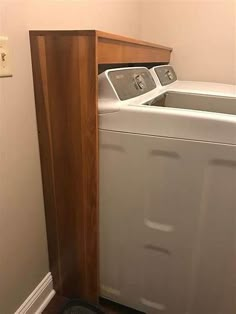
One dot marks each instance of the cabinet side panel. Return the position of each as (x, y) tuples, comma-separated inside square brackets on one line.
[(46, 154), (69, 85)]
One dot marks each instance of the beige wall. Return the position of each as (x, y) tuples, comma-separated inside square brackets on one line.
[(202, 33), (23, 249)]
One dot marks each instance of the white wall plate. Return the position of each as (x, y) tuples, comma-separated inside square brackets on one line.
[(5, 60)]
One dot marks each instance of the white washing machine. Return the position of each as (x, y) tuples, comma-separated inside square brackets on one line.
[(167, 192)]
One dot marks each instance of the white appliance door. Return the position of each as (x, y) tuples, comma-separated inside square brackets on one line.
[(168, 224)]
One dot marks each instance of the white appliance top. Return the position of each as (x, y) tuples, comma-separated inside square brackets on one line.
[(133, 115)]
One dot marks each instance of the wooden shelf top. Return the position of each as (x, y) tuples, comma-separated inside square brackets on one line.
[(124, 39), (101, 35), (113, 48)]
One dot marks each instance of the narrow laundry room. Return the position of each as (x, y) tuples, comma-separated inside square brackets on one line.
[(118, 156)]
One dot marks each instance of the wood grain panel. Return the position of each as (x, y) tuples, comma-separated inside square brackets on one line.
[(87, 70), (66, 84), (124, 39), (45, 143), (110, 51)]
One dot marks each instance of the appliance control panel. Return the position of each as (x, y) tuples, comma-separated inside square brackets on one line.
[(131, 82), (166, 74)]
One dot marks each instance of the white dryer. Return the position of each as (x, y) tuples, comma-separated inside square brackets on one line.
[(167, 192)]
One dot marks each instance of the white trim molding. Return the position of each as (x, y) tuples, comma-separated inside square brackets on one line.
[(39, 298)]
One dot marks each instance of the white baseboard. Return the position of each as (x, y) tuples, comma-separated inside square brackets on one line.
[(39, 298)]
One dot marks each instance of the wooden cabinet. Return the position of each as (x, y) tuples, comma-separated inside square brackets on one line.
[(65, 70)]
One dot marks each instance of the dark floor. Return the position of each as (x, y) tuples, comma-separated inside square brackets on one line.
[(55, 305), (109, 307)]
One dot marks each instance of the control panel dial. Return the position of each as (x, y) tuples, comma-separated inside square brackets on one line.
[(166, 74), (131, 82), (139, 82)]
